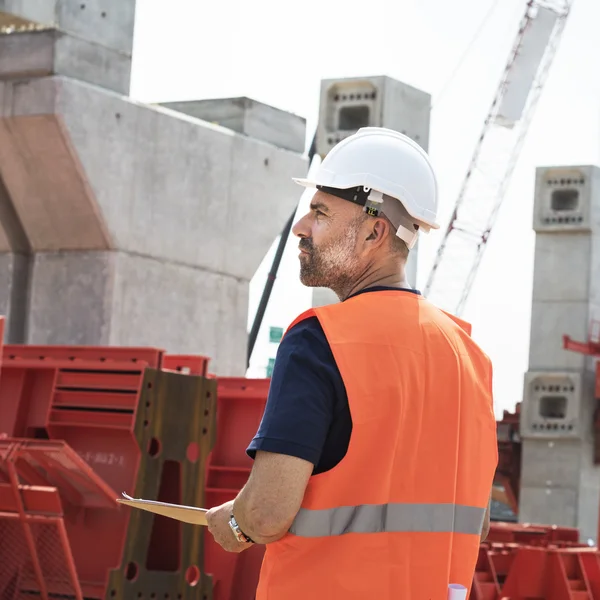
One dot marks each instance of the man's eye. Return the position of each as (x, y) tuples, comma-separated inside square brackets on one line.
[(319, 213)]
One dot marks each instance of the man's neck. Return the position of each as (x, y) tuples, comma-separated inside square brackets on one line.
[(393, 278)]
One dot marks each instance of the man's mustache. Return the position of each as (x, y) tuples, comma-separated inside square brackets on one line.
[(306, 245)]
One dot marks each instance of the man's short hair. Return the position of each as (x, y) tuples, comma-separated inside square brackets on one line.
[(397, 245)]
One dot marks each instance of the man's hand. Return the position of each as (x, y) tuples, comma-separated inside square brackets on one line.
[(218, 524)]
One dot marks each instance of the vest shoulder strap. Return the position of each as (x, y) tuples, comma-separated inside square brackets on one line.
[(464, 325), (305, 315)]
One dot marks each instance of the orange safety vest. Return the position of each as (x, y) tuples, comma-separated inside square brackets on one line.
[(400, 517)]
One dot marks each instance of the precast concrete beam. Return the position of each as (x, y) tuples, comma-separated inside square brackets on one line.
[(45, 52), (176, 188), (107, 23), (249, 117), (145, 224)]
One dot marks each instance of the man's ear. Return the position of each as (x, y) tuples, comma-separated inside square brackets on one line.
[(377, 231)]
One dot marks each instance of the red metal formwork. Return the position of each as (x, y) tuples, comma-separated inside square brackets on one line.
[(528, 534), (36, 556), (99, 403), (535, 562), (185, 363), (240, 405)]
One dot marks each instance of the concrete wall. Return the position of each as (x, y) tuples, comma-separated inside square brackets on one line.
[(249, 117), (559, 482), (133, 224), (91, 41)]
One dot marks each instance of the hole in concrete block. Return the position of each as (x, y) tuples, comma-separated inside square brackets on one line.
[(352, 118), (564, 200), (553, 407)]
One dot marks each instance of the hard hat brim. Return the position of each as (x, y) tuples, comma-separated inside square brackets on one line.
[(309, 183), (304, 182)]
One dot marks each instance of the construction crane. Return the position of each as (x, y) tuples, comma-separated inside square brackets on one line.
[(496, 154)]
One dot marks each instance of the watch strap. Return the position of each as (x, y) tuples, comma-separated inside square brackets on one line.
[(239, 534)]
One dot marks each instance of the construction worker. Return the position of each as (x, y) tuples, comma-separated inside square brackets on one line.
[(374, 460)]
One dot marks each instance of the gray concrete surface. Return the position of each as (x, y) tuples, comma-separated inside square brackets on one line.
[(121, 299), (52, 52), (14, 285), (71, 298), (560, 483), (91, 41), (249, 117), (182, 308), (563, 489), (107, 23), (350, 103), (158, 175), (145, 225)]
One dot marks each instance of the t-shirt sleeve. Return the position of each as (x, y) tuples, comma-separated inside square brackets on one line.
[(300, 405)]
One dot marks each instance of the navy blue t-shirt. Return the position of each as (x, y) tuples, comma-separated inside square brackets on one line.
[(307, 413)]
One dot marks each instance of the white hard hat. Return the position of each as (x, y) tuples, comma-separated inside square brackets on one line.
[(384, 171)]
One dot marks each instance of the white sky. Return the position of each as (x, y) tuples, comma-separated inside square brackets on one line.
[(236, 48)]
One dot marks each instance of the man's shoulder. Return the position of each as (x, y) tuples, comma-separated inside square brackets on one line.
[(307, 329)]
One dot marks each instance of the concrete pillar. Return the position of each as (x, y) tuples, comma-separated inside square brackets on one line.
[(559, 482), (89, 41), (348, 104), (141, 225)]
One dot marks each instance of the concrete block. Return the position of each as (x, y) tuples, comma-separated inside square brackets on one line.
[(249, 117), (38, 11), (555, 276), (87, 61), (115, 298), (71, 298), (555, 463), (567, 199), (182, 309), (28, 97), (52, 52), (548, 505), (348, 104), (27, 54), (107, 23), (560, 485), (552, 406), (160, 176), (549, 322)]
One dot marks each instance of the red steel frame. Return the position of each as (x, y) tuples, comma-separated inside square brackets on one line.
[(51, 390)]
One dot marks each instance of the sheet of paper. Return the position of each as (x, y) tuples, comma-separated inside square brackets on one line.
[(187, 514)]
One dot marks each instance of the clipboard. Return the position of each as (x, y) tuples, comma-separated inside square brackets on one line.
[(186, 514)]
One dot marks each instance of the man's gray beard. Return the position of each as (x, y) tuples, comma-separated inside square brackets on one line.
[(335, 266)]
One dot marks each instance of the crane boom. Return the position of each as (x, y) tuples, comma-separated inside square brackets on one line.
[(496, 154)]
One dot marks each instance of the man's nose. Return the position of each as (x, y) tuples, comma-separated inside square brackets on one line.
[(301, 228)]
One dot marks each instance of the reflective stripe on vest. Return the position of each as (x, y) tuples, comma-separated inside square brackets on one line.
[(396, 517)]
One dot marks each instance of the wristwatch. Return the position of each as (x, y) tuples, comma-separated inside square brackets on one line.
[(239, 534)]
